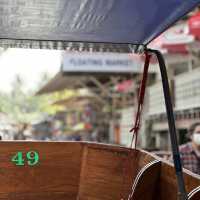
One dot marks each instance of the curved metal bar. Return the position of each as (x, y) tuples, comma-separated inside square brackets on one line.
[(182, 195)]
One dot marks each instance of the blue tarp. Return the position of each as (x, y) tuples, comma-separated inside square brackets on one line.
[(113, 21)]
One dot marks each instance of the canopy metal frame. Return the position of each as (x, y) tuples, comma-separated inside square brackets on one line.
[(182, 194)]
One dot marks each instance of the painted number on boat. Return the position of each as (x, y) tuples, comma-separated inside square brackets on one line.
[(31, 158)]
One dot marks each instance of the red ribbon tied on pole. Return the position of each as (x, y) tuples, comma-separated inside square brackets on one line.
[(136, 126)]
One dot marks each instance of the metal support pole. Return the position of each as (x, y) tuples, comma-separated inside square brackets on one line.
[(182, 195)]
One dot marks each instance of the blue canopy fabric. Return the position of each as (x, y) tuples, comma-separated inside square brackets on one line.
[(54, 23)]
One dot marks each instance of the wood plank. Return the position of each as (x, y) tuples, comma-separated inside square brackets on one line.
[(110, 172), (36, 196), (57, 173), (103, 177), (168, 183), (146, 180), (78, 170), (195, 194)]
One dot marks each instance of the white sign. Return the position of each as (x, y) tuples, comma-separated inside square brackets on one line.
[(101, 62), (178, 34)]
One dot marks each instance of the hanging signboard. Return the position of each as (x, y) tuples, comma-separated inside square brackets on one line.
[(102, 63), (194, 25)]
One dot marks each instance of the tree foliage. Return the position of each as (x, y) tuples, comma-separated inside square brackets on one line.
[(24, 107)]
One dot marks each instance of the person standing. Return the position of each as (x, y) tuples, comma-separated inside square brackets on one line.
[(190, 152)]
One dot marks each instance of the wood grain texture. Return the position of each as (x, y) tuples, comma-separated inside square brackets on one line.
[(103, 175), (146, 182), (109, 173), (84, 171), (56, 175), (167, 187), (195, 194)]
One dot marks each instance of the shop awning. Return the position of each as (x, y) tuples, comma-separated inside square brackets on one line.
[(60, 82), (64, 24), (78, 100)]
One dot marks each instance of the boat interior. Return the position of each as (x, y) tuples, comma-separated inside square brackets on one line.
[(79, 170)]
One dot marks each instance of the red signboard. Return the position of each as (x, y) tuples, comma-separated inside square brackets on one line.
[(194, 25), (124, 86)]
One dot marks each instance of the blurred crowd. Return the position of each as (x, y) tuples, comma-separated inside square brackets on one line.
[(51, 131)]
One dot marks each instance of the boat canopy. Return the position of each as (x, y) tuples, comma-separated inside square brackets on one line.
[(59, 24)]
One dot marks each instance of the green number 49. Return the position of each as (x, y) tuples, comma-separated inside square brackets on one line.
[(32, 158)]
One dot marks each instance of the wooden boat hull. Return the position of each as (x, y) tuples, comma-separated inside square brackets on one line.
[(87, 171)]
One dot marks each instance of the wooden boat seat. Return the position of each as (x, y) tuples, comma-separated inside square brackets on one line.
[(75, 170)]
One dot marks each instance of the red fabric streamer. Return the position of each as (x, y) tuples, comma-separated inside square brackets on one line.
[(136, 127)]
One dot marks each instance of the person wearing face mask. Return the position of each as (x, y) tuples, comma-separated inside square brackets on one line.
[(190, 152)]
